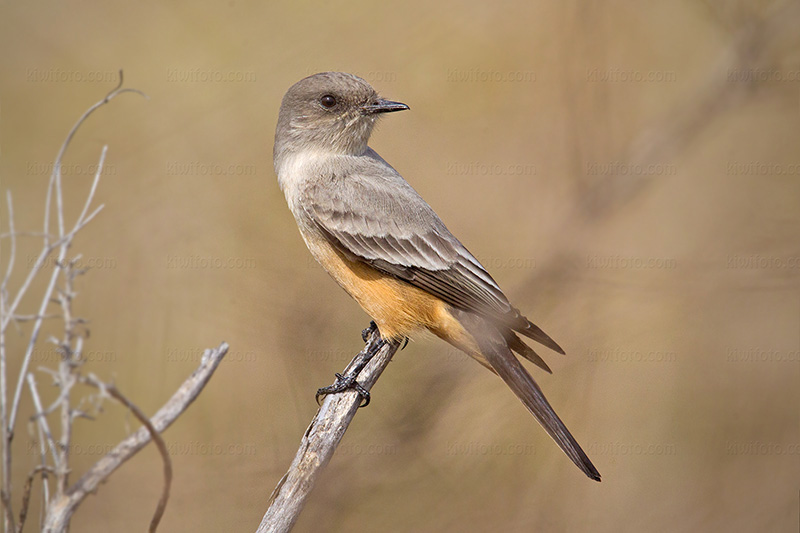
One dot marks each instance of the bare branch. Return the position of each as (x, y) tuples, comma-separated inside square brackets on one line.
[(5, 497), (13, 234), (93, 188), (55, 177), (320, 442), (70, 346), (61, 510), (5, 485), (28, 318), (64, 240), (41, 420), (162, 447), (45, 439), (26, 492)]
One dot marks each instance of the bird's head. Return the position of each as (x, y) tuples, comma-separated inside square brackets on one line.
[(332, 112)]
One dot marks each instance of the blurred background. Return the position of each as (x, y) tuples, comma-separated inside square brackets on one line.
[(628, 172)]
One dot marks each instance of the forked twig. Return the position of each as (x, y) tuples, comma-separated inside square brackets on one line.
[(60, 511)]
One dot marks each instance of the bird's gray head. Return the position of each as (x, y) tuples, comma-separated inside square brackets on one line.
[(331, 111)]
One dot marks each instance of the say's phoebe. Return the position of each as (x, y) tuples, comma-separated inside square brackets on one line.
[(386, 247)]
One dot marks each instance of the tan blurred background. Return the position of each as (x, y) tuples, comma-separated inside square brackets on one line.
[(627, 171)]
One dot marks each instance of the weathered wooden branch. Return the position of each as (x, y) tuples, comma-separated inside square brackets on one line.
[(321, 440), (61, 509), (112, 391)]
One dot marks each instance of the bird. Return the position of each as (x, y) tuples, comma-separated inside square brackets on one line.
[(388, 249)]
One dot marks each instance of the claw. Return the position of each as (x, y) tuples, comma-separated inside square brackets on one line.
[(348, 381), (342, 384), (366, 332)]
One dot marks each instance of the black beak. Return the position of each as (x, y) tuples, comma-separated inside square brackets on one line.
[(383, 106)]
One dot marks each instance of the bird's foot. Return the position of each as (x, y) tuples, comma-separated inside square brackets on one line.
[(366, 332), (344, 383), (348, 381)]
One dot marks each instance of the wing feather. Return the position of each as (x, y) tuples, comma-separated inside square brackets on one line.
[(373, 215)]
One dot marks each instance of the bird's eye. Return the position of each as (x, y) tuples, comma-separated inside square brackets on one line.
[(328, 101)]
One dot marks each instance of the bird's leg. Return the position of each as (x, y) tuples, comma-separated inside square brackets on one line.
[(348, 381), (369, 330)]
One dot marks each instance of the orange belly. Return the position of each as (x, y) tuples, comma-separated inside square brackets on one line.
[(398, 308)]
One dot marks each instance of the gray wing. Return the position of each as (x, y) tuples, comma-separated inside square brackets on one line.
[(372, 214)]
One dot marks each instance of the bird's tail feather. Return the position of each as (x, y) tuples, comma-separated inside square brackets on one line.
[(498, 354)]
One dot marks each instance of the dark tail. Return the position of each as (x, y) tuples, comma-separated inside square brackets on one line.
[(532, 331), (497, 352)]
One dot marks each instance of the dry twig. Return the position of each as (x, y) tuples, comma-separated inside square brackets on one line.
[(320, 441), (58, 510), (61, 510), (111, 390)]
